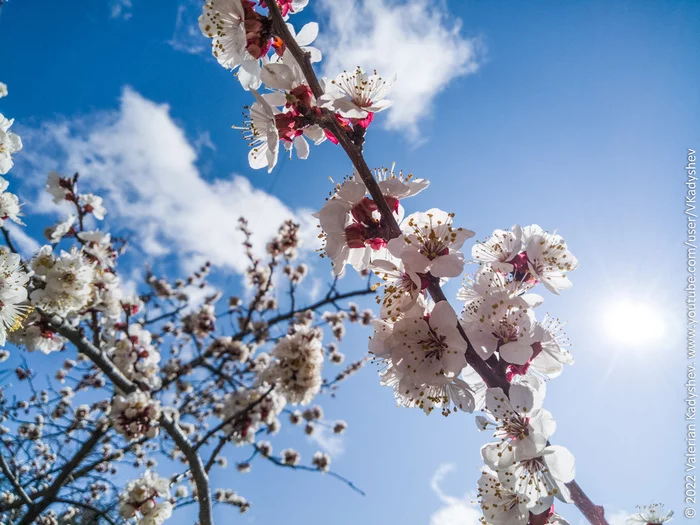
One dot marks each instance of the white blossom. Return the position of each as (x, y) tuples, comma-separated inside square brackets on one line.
[(98, 246), (430, 244), (541, 476), (68, 282), (135, 415), (401, 288), (248, 409), (55, 233), (550, 260), (9, 204), (654, 514), (321, 461), (500, 506), (290, 457), (58, 187), (10, 143), (298, 364), (357, 94), (499, 249), (136, 357), (352, 226), (261, 133), (222, 21), (550, 348), (140, 499), (424, 355), (93, 204), (519, 422), (13, 293), (34, 334)]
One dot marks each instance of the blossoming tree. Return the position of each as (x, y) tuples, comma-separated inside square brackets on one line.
[(160, 375)]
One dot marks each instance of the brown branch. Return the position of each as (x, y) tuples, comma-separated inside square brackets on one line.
[(77, 474), (354, 152), (8, 240), (86, 506), (492, 377), (86, 348), (222, 442), (595, 514), (329, 299), (14, 482), (50, 497), (235, 416)]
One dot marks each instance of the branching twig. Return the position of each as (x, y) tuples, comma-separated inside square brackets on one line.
[(49, 498), (280, 463), (201, 479), (8, 240), (14, 482)]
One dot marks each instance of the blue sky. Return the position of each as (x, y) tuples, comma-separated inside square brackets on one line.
[(574, 115)]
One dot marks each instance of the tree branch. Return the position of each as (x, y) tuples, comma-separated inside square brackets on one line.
[(329, 299), (14, 482), (280, 463), (595, 514), (6, 234), (491, 377), (86, 348), (86, 506), (36, 509)]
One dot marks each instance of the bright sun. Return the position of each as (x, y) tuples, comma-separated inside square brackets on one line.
[(633, 323)]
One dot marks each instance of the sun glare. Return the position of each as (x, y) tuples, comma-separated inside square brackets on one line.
[(633, 323)]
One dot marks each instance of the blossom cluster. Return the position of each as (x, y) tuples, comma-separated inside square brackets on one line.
[(423, 344), (138, 379), (148, 499), (246, 41), (187, 380), (496, 354)]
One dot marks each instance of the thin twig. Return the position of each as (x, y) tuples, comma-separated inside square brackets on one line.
[(95, 510), (14, 482), (277, 461), (8, 240), (201, 479), (235, 416), (49, 498)]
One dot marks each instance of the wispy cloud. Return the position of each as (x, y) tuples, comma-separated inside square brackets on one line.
[(419, 40), (120, 9), (416, 39), (455, 511), (186, 36), (142, 162), (26, 245), (618, 518), (328, 441)]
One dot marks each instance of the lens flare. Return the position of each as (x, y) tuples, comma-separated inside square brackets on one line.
[(633, 323)]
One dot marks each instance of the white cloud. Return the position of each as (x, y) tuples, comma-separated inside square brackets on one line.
[(618, 518), (120, 9), (186, 36), (141, 161), (455, 511), (26, 245), (416, 39), (328, 441)]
